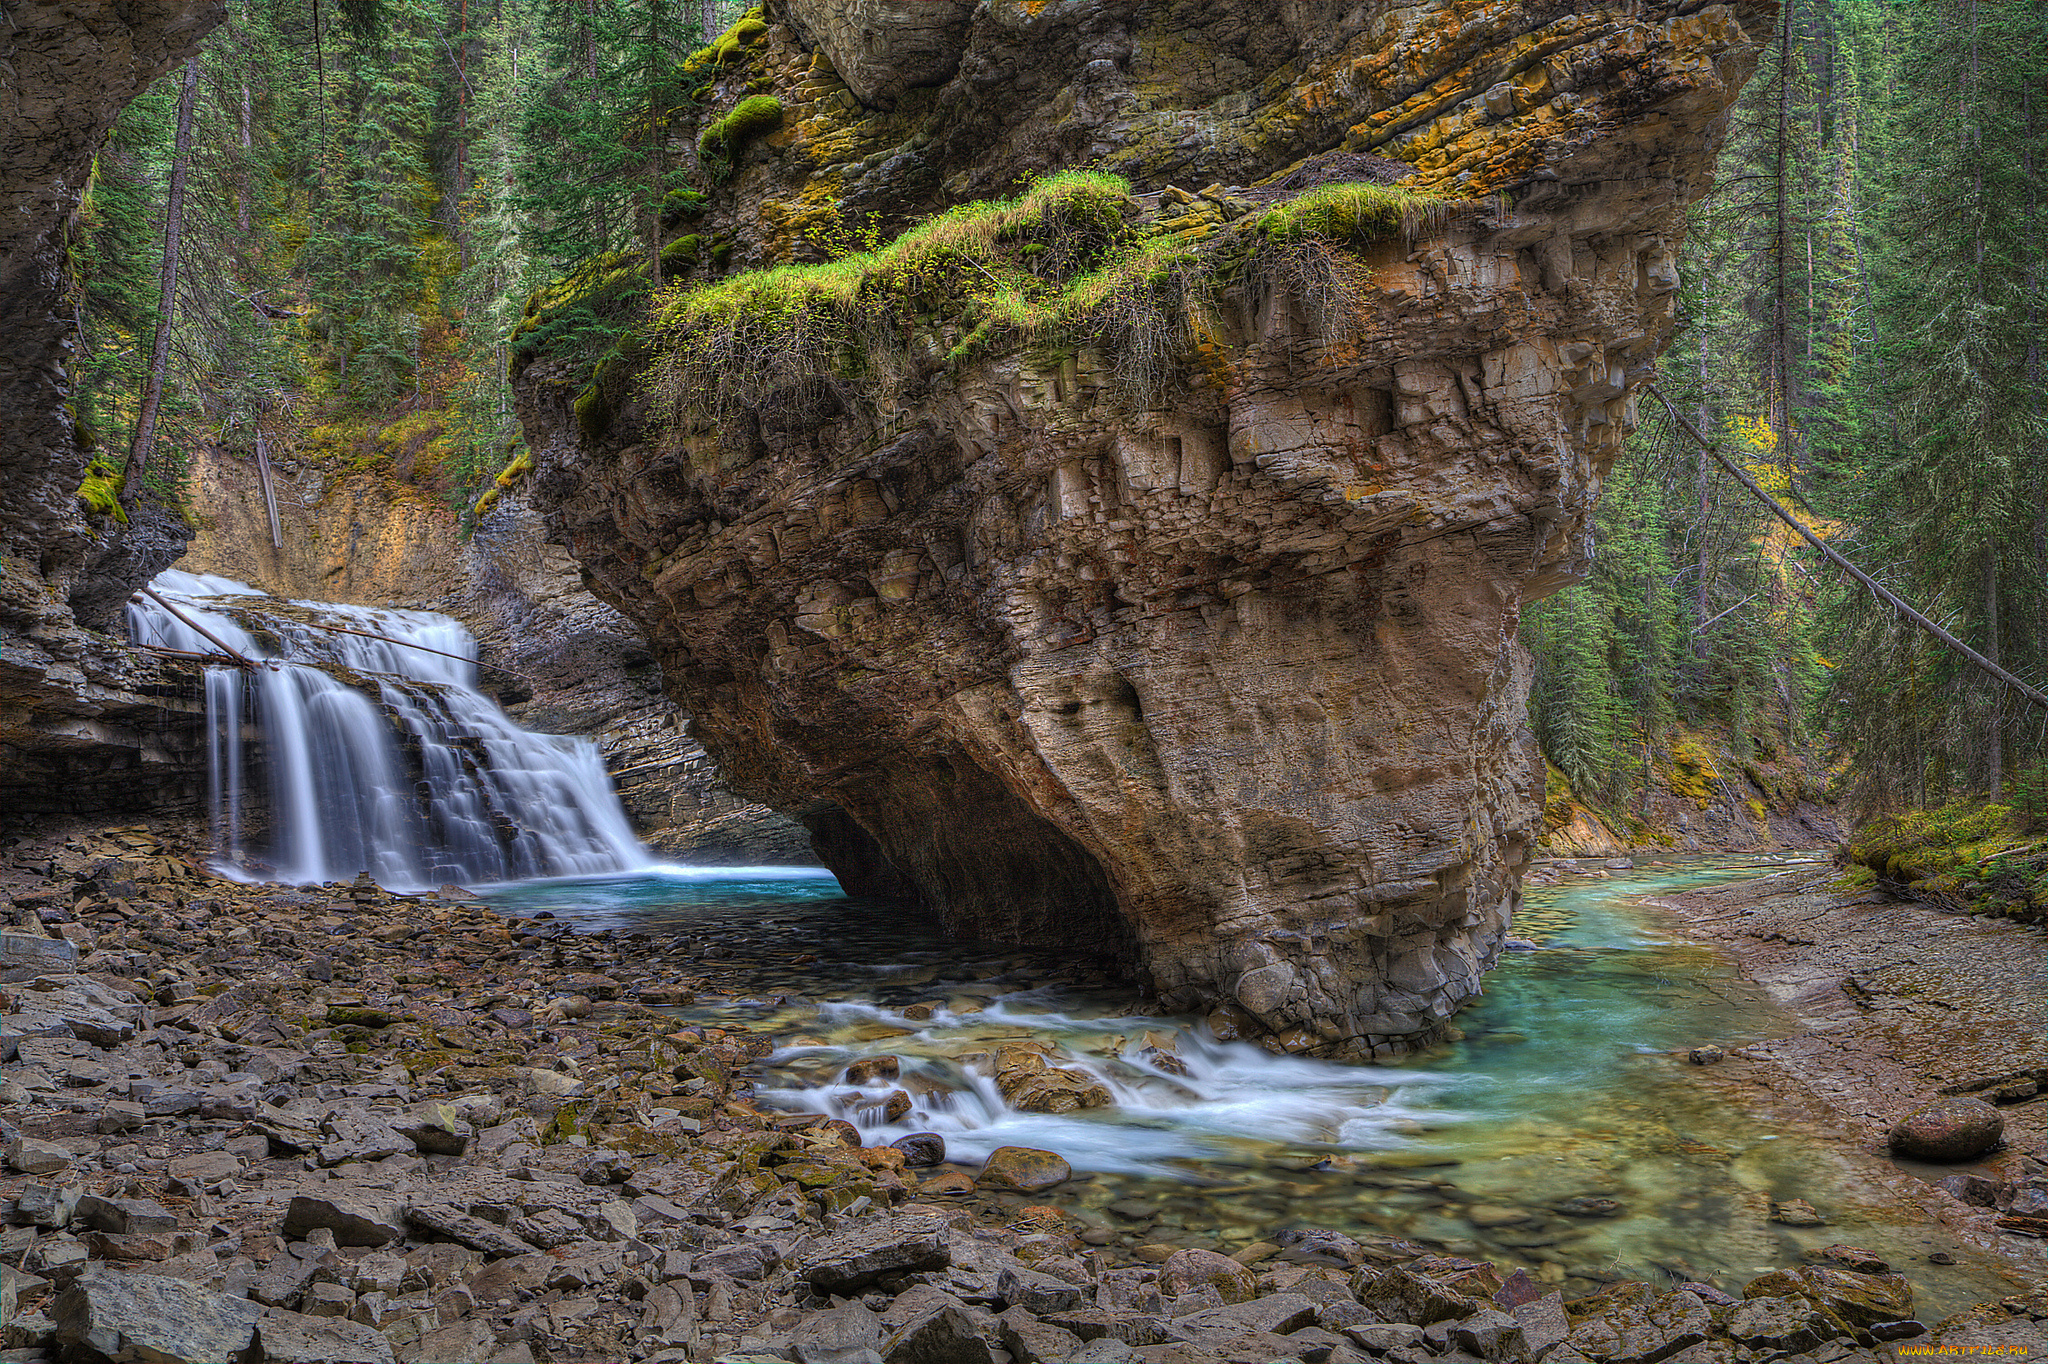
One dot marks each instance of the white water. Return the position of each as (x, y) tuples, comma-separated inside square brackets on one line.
[(1233, 1098), (375, 756)]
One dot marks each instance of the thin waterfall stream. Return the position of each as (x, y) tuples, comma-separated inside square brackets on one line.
[(340, 753)]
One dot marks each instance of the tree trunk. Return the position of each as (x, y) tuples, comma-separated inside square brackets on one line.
[(656, 134), (1994, 739), (1781, 249), (245, 186), (144, 443)]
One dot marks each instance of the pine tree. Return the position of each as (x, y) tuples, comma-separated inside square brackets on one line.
[(1949, 507)]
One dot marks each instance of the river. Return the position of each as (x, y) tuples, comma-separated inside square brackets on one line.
[(1560, 1134)]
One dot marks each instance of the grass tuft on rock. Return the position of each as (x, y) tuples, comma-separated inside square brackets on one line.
[(1059, 267), (508, 478), (1354, 212)]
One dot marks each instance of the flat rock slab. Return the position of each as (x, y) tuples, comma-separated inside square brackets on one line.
[(851, 1260), (1279, 1314), (148, 1319), (473, 1232), (355, 1219)]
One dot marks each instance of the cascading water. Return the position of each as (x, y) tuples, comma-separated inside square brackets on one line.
[(378, 756)]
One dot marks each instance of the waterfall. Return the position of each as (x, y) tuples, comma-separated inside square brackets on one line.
[(377, 756)]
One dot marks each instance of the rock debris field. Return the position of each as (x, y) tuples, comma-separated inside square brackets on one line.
[(334, 1124)]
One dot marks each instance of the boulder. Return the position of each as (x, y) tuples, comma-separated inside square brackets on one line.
[(33, 1157), (846, 1334), (1490, 1334), (149, 1319), (921, 1149), (869, 1069), (1788, 1324), (1189, 1269), (292, 1338), (359, 1134), (1858, 1299), (356, 1219), (1031, 1341), (470, 1231), (460, 1342), (1947, 1130), (435, 1129), (944, 1331), (1402, 1295), (125, 1216), (1279, 1314), (849, 1261), (1023, 1168), (1644, 1334), (1019, 1286), (1544, 1323)]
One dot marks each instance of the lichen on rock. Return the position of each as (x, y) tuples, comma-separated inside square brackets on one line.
[(1139, 567)]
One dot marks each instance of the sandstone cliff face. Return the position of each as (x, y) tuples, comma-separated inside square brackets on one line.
[(1223, 682), (576, 665), (79, 725)]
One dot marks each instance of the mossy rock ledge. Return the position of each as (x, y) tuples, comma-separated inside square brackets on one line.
[(1095, 481)]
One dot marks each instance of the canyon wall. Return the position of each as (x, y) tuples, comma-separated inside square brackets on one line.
[(1217, 677), (86, 725)]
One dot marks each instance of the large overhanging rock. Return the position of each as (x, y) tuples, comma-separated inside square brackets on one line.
[(1202, 655)]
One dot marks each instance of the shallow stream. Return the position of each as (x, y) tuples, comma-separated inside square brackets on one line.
[(1559, 1134)]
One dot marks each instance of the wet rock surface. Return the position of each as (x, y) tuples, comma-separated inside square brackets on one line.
[(403, 1186), (1922, 1042)]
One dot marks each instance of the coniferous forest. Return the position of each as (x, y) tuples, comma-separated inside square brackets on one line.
[(361, 195)]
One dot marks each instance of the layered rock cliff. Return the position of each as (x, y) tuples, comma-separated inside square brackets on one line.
[(1181, 626), (81, 727)]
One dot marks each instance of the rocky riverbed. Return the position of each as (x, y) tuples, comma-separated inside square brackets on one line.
[(1900, 1007), (259, 1123)]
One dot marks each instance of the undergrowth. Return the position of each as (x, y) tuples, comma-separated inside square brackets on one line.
[(1973, 855)]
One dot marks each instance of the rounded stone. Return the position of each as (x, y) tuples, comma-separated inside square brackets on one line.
[(1025, 1169), (921, 1149), (871, 1068), (1948, 1129), (1189, 1268)]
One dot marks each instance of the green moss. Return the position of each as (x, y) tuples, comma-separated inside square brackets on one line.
[(731, 45), (1070, 265), (101, 491), (1091, 278), (1973, 855), (679, 204), (508, 478), (720, 144), (593, 412), (681, 254)]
